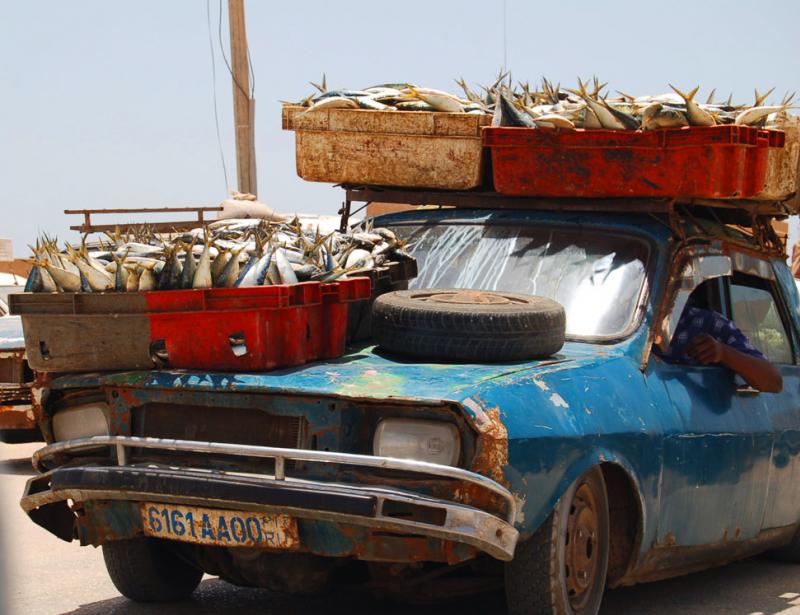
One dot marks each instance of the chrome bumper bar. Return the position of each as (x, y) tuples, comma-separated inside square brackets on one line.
[(462, 523)]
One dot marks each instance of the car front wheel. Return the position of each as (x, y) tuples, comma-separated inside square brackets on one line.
[(561, 569), (150, 570)]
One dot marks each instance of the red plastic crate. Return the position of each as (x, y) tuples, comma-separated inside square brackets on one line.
[(251, 329), (703, 162), (328, 336)]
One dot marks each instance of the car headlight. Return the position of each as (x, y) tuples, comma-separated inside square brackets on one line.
[(81, 421), (432, 441)]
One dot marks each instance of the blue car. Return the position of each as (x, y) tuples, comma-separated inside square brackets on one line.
[(599, 466)]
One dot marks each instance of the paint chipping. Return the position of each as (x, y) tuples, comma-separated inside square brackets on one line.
[(558, 401)]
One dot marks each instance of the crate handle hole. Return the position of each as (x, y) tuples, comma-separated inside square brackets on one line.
[(238, 344), (158, 352), (44, 351)]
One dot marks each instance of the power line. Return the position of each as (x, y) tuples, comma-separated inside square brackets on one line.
[(228, 64), (214, 88)]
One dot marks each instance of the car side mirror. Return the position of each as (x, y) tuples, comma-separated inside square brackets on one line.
[(692, 271)]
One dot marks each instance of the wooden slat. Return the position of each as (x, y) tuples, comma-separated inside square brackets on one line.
[(493, 200), (141, 210), (158, 226)]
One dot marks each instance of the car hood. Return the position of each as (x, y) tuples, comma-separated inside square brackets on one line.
[(361, 373)]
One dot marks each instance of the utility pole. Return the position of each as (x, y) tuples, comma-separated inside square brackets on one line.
[(244, 107)]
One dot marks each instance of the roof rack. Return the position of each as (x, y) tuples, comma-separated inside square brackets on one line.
[(737, 211)]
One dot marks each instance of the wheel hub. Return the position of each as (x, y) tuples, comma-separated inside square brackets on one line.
[(582, 560), (468, 297)]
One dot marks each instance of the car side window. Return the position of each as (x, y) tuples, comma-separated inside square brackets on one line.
[(758, 316)]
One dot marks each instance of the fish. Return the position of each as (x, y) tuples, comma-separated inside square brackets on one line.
[(657, 115), (262, 268), (509, 115), (590, 121), (189, 267), (120, 273), (334, 102), (219, 263), (34, 282), (367, 102), (553, 120), (472, 96), (147, 279), (304, 272), (762, 98), (230, 273), (754, 115), (66, 280), (627, 120), (696, 115), (439, 100), (606, 117), (202, 275), (98, 281), (285, 271), (170, 276), (415, 105), (221, 254), (132, 283)]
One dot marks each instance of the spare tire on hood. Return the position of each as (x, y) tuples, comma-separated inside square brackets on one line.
[(468, 325)]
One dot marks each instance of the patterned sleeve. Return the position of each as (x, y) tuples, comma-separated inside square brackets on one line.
[(728, 333)]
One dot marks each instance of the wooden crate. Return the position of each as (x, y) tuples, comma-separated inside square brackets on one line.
[(388, 148)]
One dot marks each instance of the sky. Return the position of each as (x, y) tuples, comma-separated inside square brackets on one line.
[(111, 104)]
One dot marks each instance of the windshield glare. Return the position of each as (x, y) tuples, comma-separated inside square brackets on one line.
[(597, 276)]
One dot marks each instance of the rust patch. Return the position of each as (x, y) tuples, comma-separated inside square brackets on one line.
[(39, 389), (387, 546), (491, 455), (17, 417)]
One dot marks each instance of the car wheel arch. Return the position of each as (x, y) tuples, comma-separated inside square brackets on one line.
[(626, 509)]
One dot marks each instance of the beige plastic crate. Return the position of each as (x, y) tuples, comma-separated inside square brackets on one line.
[(783, 166), (389, 148)]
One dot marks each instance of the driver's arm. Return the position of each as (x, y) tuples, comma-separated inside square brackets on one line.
[(759, 373)]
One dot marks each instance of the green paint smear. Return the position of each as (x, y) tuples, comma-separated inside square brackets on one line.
[(378, 384)]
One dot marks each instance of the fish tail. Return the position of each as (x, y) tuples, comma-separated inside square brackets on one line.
[(683, 95)]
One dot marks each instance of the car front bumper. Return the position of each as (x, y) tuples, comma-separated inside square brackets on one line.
[(363, 506)]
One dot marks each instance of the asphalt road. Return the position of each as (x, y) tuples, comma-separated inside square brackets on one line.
[(47, 576)]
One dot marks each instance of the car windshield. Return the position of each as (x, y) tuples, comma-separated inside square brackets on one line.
[(597, 276)]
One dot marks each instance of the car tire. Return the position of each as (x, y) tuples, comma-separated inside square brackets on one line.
[(150, 570), (561, 569), (468, 325)]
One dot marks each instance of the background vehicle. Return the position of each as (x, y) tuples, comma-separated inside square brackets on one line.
[(17, 420), (601, 465)]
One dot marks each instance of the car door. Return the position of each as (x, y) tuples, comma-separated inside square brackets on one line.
[(760, 309), (716, 468)]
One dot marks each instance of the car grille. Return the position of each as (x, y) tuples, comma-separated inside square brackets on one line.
[(210, 424)]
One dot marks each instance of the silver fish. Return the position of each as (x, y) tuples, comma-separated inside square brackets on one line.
[(696, 115)]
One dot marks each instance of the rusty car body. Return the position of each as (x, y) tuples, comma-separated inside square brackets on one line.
[(699, 470)]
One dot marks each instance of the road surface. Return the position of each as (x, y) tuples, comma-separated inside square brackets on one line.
[(47, 577)]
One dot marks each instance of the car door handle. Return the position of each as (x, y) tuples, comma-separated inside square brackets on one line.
[(747, 391)]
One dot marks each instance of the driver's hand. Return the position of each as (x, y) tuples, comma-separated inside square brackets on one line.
[(705, 349)]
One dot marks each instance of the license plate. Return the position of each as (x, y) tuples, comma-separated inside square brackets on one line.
[(211, 526)]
